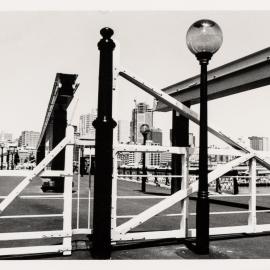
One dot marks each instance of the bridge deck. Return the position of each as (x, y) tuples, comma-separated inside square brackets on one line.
[(126, 207)]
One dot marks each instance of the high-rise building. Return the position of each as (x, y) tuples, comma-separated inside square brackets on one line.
[(123, 131), (29, 139), (5, 137), (165, 159), (244, 141), (142, 114), (259, 143), (152, 159), (134, 158), (156, 135), (86, 128)]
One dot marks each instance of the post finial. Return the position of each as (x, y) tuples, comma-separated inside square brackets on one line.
[(106, 43), (106, 32)]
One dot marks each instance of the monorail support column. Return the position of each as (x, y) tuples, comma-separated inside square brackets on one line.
[(104, 125), (252, 222), (180, 137), (40, 152), (59, 124)]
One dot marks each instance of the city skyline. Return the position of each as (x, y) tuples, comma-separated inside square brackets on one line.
[(262, 143), (26, 36)]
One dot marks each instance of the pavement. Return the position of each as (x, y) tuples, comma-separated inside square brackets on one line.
[(241, 246), (223, 247)]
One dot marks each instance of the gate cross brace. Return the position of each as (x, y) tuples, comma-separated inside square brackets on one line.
[(37, 170)]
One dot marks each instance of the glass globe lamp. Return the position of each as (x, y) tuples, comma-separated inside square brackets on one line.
[(144, 129), (204, 38)]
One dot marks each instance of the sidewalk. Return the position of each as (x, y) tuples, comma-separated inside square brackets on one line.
[(235, 247)]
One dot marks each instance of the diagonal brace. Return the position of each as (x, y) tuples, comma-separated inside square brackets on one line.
[(36, 171), (178, 196)]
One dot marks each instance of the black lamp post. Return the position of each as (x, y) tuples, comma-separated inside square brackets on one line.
[(144, 129), (7, 159), (203, 38), (2, 156), (12, 157)]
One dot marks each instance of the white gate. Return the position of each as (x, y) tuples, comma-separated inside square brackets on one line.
[(123, 232), (66, 232)]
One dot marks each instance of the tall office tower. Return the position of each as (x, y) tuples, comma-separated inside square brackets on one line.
[(5, 137), (142, 114), (265, 144), (134, 158), (165, 159), (152, 159), (259, 143), (123, 131), (29, 139), (86, 128), (243, 141), (156, 136)]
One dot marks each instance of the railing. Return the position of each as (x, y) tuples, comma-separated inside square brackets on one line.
[(159, 176)]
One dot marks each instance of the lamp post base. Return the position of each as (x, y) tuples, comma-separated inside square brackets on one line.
[(202, 224)]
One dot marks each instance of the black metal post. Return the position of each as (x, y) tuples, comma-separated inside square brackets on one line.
[(7, 159), (58, 127), (12, 160), (235, 186), (2, 157), (104, 125), (202, 207), (167, 178), (218, 186), (156, 178), (180, 138), (144, 171), (138, 173)]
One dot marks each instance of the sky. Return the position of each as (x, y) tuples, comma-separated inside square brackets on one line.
[(35, 45)]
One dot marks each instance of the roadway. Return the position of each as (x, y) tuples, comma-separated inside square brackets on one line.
[(24, 206)]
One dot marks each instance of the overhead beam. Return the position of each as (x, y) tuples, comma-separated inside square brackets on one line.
[(60, 95), (247, 73)]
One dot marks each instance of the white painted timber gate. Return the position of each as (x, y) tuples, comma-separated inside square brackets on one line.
[(65, 230), (123, 226)]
